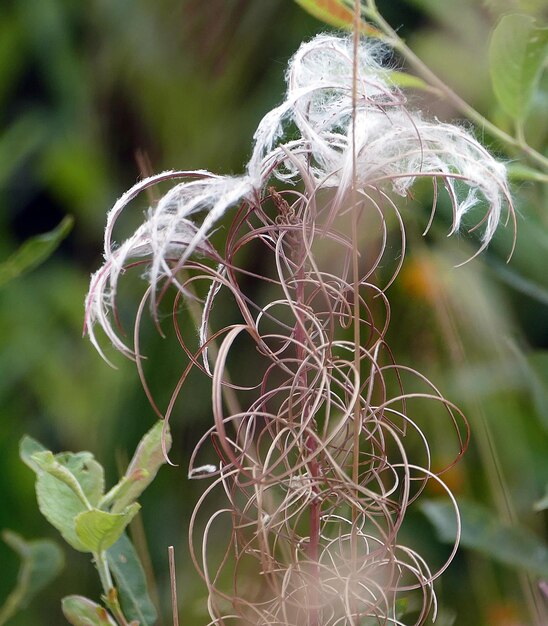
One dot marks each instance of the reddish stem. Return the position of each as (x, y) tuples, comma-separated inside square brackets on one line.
[(313, 466)]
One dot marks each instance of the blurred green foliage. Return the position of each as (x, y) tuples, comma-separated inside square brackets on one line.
[(93, 94)]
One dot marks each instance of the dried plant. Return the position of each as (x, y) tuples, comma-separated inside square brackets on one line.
[(321, 441)]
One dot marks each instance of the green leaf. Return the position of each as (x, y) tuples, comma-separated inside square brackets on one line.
[(409, 81), (131, 582), (34, 251), (88, 472), (99, 530), (517, 54), (41, 562), (48, 464), (27, 447), (67, 484), (60, 505), (80, 611), (520, 172), (144, 466), (483, 531)]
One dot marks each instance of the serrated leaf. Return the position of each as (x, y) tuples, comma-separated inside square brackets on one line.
[(483, 531), (144, 466), (335, 13), (41, 562), (34, 251), (517, 54), (99, 530), (131, 582), (80, 611)]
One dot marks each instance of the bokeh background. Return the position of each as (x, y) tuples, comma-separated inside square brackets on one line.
[(91, 95)]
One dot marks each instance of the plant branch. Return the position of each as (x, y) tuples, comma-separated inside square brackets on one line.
[(392, 37), (111, 595)]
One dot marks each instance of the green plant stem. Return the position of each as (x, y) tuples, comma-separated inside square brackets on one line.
[(111, 595), (398, 44), (11, 605), (119, 488)]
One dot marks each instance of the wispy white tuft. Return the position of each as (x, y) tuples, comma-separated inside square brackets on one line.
[(203, 470), (394, 146)]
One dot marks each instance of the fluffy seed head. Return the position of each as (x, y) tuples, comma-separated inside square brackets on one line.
[(394, 146)]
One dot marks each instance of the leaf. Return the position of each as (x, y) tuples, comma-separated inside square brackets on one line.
[(409, 81), (48, 464), (144, 466), (80, 611), (332, 12), (89, 473), (99, 530), (34, 251), (335, 13), (519, 172), (67, 484), (517, 54), (483, 531), (41, 562), (60, 506), (27, 447), (130, 582)]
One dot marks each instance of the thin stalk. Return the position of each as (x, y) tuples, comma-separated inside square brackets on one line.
[(356, 292), (173, 581), (111, 595), (461, 105), (311, 447)]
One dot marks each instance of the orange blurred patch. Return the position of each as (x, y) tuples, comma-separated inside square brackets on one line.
[(504, 614), (454, 479), (419, 278)]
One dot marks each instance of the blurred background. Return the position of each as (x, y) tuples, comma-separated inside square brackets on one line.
[(93, 94)]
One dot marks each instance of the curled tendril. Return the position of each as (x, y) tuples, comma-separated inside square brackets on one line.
[(322, 442)]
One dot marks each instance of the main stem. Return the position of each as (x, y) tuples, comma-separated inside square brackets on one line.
[(311, 446), (356, 298)]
